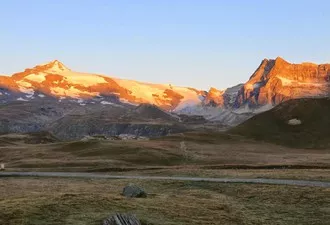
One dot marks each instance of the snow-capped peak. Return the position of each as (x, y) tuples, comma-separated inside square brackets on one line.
[(55, 67)]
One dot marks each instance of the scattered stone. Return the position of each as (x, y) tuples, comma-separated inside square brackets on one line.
[(294, 122), (133, 191), (121, 219)]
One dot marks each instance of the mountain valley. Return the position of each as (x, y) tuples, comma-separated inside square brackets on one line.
[(51, 97)]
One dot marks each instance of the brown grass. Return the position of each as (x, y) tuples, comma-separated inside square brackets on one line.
[(201, 150), (212, 155), (28, 201)]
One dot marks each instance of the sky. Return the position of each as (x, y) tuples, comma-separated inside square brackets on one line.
[(195, 43)]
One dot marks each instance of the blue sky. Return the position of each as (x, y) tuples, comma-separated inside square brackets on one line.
[(194, 43)]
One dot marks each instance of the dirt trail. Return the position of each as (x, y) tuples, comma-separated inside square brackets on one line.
[(218, 180)]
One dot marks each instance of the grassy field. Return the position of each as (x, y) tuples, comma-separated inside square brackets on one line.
[(216, 150), (33, 201), (208, 155)]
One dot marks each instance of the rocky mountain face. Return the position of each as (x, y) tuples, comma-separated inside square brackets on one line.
[(68, 120), (277, 80), (73, 104)]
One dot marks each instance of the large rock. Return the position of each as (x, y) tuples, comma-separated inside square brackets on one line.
[(121, 219), (133, 191)]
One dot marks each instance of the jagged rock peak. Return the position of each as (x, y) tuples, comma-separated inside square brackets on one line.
[(280, 61)]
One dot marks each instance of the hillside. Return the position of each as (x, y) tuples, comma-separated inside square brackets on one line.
[(301, 123), (69, 120)]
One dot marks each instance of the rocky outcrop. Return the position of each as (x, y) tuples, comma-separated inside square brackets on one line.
[(70, 130), (134, 191), (71, 121), (214, 97), (277, 80), (122, 219)]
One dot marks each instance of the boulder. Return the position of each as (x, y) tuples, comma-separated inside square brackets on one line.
[(133, 191), (121, 219)]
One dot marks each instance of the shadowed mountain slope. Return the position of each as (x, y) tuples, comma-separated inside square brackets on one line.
[(302, 123)]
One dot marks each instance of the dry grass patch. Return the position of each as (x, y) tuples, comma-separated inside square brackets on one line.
[(82, 201)]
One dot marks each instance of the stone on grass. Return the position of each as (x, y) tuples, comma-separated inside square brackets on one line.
[(133, 191), (121, 219)]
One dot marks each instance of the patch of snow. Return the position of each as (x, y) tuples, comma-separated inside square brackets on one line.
[(142, 90), (57, 67), (27, 90), (25, 87), (24, 84), (127, 102), (185, 105), (294, 122), (145, 91), (41, 95), (107, 103), (288, 82), (58, 91), (22, 99), (110, 103), (190, 97), (30, 96), (40, 77), (71, 92), (84, 79), (82, 104)]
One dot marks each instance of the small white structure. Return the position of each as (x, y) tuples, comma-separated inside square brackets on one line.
[(294, 122), (2, 166)]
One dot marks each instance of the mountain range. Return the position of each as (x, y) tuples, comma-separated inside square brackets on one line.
[(53, 96)]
